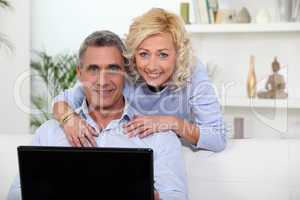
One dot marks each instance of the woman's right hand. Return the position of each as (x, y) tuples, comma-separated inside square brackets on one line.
[(156, 196), (79, 133)]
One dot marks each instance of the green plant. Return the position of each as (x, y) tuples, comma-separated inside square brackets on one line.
[(4, 42), (4, 3), (56, 73)]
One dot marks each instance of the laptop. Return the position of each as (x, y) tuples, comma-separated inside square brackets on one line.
[(59, 173)]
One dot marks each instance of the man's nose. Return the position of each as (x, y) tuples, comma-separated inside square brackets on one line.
[(102, 78)]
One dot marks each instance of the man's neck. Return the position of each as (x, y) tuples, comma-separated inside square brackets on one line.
[(103, 116)]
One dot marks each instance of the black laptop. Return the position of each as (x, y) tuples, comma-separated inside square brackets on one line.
[(60, 173)]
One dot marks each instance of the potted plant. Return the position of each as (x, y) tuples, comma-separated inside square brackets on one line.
[(54, 74)]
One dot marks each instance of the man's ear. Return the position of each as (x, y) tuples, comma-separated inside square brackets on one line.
[(78, 72)]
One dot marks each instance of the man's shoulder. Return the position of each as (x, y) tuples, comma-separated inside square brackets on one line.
[(50, 125), (166, 134), (49, 133), (166, 138)]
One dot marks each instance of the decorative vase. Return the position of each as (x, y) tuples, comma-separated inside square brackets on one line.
[(263, 17), (251, 81), (285, 10)]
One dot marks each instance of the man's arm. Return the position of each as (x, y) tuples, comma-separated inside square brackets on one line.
[(169, 169), (15, 190), (40, 139)]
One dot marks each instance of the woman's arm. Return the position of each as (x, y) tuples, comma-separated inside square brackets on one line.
[(77, 131), (147, 125), (207, 112), (190, 132)]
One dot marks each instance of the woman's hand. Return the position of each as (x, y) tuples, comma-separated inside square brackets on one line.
[(147, 125), (156, 196), (79, 133)]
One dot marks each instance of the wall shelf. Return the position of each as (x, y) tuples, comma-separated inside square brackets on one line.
[(243, 28), (245, 102)]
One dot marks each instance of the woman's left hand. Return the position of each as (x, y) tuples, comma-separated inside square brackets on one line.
[(149, 124)]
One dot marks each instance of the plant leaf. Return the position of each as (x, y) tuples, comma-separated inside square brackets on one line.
[(57, 73)]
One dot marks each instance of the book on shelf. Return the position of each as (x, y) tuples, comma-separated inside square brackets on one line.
[(295, 15), (196, 11), (209, 13), (205, 11), (213, 7)]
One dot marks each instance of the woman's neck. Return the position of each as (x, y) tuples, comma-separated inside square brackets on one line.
[(156, 89)]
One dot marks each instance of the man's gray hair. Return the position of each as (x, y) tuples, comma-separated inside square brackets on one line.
[(103, 39)]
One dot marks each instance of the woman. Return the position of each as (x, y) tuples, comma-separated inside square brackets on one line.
[(169, 91)]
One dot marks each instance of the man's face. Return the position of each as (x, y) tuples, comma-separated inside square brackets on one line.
[(102, 76)]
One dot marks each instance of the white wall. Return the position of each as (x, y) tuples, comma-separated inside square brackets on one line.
[(15, 24), (61, 25)]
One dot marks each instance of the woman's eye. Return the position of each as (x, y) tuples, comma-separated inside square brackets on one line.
[(143, 54), (163, 55)]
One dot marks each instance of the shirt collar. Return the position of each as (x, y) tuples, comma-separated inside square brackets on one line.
[(128, 112)]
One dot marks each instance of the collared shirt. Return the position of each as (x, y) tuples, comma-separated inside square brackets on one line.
[(195, 102), (169, 170)]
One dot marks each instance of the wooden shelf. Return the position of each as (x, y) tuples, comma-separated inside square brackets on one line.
[(243, 28), (261, 103)]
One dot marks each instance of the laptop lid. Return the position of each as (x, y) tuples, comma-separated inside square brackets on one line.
[(52, 173)]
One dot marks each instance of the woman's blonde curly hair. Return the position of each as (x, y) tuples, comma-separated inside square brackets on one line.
[(155, 21)]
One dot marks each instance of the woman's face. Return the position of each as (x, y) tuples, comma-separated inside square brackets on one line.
[(156, 59)]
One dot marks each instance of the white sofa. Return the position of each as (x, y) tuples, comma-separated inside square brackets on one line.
[(246, 170)]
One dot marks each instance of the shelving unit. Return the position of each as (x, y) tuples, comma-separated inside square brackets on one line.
[(240, 28), (229, 46), (243, 102)]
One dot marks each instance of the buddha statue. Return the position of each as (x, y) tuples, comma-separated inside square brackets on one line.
[(275, 85)]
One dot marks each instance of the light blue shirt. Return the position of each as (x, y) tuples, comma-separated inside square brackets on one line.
[(169, 170), (196, 102)]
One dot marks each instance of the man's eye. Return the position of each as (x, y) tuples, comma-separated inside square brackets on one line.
[(114, 68), (93, 69), (163, 55)]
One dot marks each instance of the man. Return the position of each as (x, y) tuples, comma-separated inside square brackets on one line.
[(102, 74)]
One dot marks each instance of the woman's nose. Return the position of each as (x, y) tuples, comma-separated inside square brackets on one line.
[(153, 64)]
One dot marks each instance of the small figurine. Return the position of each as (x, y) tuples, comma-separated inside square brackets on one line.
[(244, 16), (275, 85)]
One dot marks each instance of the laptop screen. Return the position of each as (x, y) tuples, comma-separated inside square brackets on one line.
[(51, 173)]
